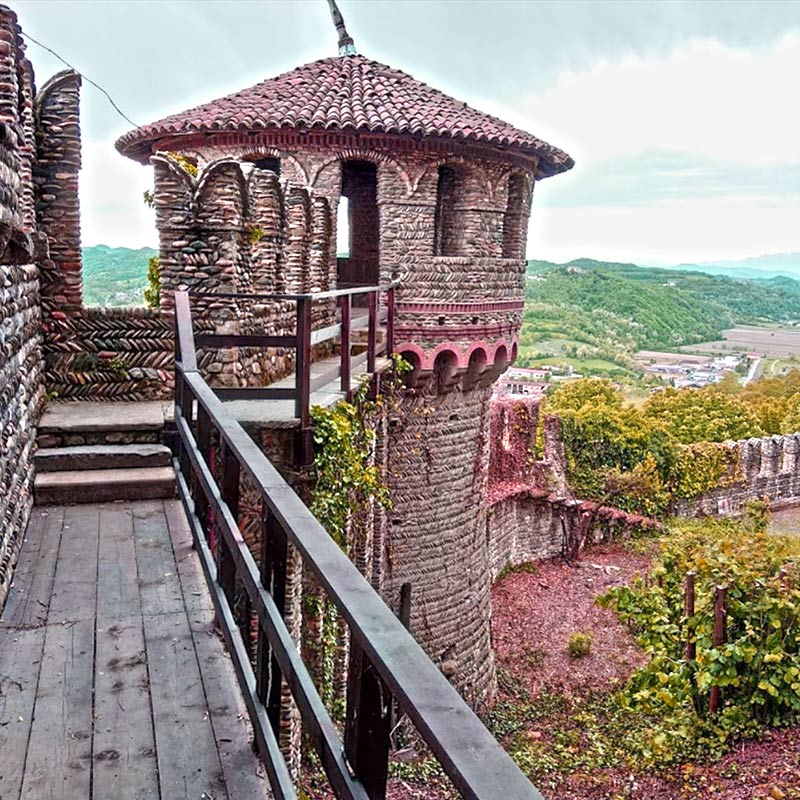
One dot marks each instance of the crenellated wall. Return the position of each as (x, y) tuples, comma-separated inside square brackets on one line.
[(459, 307), (532, 513), (90, 353), (22, 249), (234, 228), (766, 467)]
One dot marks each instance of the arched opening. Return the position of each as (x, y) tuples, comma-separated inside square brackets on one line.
[(514, 221), (359, 262), (446, 227), (271, 164), (445, 370)]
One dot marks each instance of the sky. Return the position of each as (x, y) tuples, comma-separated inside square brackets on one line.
[(682, 115)]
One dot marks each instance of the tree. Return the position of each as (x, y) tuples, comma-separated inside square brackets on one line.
[(702, 415)]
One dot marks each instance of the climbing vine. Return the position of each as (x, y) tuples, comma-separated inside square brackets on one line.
[(347, 483), (633, 458), (757, 666), (152, 294)]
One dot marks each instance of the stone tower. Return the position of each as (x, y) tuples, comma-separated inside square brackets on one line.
[(438, 198)]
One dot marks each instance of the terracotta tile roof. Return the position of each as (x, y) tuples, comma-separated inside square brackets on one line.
[(345, 93)]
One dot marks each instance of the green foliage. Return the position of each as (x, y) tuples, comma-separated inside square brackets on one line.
[(554, 734), (579, 644), (152, 294), (115, 276), (644, 460), (612, 449), (639, 490), (594, 315), (701, 467), (185, 163), (702, 415), (576, 395), (526, 567), (255, 234), (345, 479), (119, 366), (757, 668)]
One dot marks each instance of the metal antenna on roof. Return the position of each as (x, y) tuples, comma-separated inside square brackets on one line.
[(346, 45)]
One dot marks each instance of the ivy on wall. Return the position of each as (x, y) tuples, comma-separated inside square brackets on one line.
[(645, 460), (347, 484)]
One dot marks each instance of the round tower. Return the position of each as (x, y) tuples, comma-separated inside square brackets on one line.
[(438, 198)]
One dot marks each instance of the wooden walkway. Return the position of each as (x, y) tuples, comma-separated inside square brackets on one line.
[(113, 681)]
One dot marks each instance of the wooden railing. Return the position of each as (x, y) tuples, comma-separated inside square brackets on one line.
[(386, 664), (305, 337)]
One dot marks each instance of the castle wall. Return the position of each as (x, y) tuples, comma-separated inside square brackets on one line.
[(766, 467), (437, 457), (21, 248), (90, 353)]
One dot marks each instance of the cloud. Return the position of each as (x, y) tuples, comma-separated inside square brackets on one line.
[(684, 156), (681, 157), (112, 209), (705, 98)]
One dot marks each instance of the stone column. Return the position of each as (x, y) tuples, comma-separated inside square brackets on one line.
[(58, 163)]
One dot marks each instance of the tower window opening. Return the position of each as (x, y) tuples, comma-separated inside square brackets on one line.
[(271, 164), (359, 261)]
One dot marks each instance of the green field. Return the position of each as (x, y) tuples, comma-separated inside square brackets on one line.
[(596, 315)]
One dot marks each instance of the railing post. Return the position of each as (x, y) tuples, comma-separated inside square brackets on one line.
[(367, 724), (371, 331), (204, 446), (273, 579), (303, 378), (187, 412), (345, 302), (226, 566), (389, 322)]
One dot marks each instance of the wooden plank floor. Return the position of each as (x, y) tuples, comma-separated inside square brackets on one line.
[(114, 683)]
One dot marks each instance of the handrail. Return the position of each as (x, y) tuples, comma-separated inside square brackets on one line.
[(385, 659), (325, 295)]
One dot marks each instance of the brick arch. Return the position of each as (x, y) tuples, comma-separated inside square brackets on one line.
[(215, 168), (359, 154), (255, 153)]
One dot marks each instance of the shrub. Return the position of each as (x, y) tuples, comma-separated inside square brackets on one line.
[(579, 645), (758, 666)]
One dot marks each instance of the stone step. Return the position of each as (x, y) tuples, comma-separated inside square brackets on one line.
[(103, 485), (70, 424), (102, 456)]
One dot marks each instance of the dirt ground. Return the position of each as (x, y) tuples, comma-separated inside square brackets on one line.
[(536, 613)]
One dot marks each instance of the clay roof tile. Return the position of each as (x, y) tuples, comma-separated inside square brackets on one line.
[(345, 93)]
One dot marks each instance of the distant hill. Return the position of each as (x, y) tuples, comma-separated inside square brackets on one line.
[(115, 276), (767, 266), (596, 314)]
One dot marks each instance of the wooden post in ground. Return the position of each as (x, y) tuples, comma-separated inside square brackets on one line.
[(688, 610), (718, 639)]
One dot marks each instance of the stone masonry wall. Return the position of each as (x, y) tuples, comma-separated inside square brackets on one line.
[(767, 467), (235, 228), (21, 247), (90, 353), (531, 512), (437, 457)]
